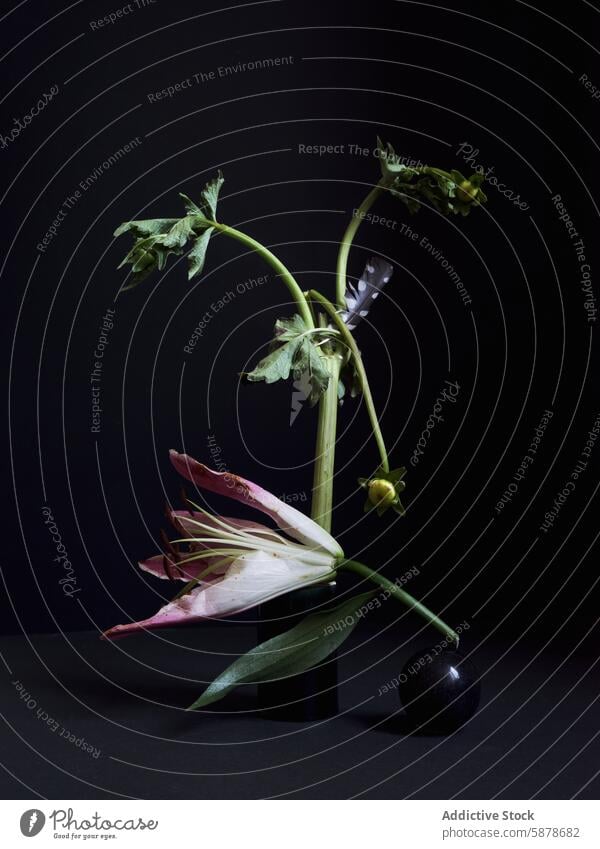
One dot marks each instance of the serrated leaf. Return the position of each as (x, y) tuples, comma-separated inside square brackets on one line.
[(309, 361), (157, 238), (289, 328), (293, 352), (197, 255), (179, 233), (146, 227), (139, 276), (210, 194), (142, 261), (277, 365), (190, 207), (391, 166), (302, 647), (139, 248)]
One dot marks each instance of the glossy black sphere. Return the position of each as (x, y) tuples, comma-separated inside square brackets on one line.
[(439, 691)]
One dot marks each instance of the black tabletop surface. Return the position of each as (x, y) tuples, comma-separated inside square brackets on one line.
[(88, 719)]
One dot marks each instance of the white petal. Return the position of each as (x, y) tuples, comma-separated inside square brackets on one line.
[(250, 580)]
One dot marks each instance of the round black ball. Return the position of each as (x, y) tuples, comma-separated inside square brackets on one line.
[(439, 691)]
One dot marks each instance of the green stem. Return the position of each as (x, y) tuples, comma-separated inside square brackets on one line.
[(342, 261), (348, 339), (401, 595), (322, 494), (276, 265)]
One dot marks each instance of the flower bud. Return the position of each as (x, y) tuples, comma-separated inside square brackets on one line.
[(381, 492), (467, 192)]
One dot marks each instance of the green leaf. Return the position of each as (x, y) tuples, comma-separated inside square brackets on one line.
[(210, 195), (308, 360), (275, 366), (179, 233), (157, 238), (391, 167), (190, 206), (140, 247), (197, 255), (447, 191), (295, 651), (144, 265), (146, 227), (293, 352), (289, 328)]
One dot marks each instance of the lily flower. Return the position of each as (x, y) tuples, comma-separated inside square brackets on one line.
[(233, 564)]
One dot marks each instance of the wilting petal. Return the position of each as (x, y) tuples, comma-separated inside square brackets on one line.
[(250, 580), (184, 571), (290, 520)]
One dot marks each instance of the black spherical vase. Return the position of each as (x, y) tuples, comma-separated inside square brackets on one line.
[(312, 695), (439, 690)]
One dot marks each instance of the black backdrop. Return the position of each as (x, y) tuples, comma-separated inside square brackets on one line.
[(504, 82)]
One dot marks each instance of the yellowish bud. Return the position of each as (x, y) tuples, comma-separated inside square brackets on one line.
[(467, 192), (381, 493)]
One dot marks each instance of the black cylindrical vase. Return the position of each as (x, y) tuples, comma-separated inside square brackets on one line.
[(312, 695)]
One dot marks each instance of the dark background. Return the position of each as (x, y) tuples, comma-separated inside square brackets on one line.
[(504, 79), (430, 80)]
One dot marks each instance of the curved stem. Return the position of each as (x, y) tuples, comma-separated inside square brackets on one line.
[(348, 339), (342, 261), (276, 265), (401, 595)]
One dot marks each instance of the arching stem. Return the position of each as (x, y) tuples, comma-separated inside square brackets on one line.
[(347, 238), (348, 339), (276, 264), (400, 594)]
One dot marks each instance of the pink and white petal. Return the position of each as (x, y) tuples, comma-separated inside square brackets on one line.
[(290, 520), (172, 613), (251, 579), (183, 571), (156, 566)]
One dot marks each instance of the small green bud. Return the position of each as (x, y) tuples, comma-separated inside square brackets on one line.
[(381, 492), (467, 192)]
